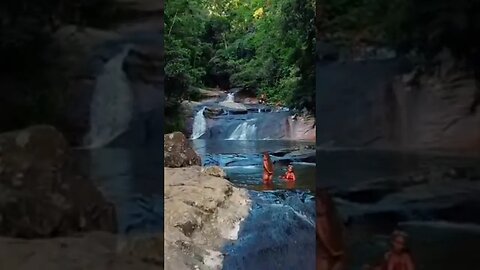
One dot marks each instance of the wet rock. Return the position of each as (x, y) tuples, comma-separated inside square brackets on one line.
[(366, 196), (178, 152), (215, 171), (80, 55), (212, 112), (392, 106), (303, 128), (462, 173), (283, 152), (302, 155), (40, 196), (143, 64), (208, 94), (233, 107)]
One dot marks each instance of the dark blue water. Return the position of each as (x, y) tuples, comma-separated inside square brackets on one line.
[(278, 233), (444, 232), (132, 179)]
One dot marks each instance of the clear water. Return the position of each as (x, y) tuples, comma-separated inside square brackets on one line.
[(278, 232)]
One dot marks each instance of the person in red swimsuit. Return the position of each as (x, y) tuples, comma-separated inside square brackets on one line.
[(267, 168), (289, 174), (398, 258)]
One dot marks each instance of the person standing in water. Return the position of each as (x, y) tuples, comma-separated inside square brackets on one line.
[(267, 168), (330, 234), (399, 257)]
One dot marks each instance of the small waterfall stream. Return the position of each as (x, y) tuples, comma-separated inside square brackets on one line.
[(234, 139), (230, 97), (245, 131), (112, 103), (199, 124)]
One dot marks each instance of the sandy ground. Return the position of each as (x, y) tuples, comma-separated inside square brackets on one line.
[(202, 213)]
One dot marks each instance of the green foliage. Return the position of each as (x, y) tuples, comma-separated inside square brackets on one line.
[(423, 25), (261, 45)]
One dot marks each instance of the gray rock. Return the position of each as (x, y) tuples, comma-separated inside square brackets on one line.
[(41, 197), (178, 151)]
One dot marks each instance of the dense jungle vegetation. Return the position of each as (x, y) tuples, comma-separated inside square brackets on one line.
[(265, 46)]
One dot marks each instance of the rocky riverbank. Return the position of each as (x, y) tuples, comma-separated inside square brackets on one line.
[(393, 104), (293, 126), (203, 211), (55, 218)]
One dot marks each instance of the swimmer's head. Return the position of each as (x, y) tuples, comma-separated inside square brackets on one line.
[(290, 168), (399, 241)]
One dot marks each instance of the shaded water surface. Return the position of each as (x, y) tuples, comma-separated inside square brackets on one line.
[(444, 232), (132, 179), (279, 231)]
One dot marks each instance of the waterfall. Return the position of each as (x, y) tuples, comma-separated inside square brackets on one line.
[(244, 131), (230, 97), (112, 103), (199, 124)]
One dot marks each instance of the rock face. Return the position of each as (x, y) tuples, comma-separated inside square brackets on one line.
[(303, 129), (234, 107), (202, 212), (39, 196), (382, 105), (178, 152), (83, 55), (215, 171)]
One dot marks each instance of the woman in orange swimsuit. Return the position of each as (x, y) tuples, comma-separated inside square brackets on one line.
[(267, 168), (289, 174)]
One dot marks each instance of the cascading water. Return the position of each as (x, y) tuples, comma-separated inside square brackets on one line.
[(235, 141), (245, 131), (199, 124), (112, 103), (230, 97)]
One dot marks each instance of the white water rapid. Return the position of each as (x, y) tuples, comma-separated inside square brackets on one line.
[(112, 103), (199, 124), (230, 97), (245, 131)]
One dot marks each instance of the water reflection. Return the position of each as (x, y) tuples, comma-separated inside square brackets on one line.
[(431, 221), (132, 179), (268, 186), (290, 184)]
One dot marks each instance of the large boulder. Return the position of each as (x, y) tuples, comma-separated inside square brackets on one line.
[(178, 152), (233, 107), (216, 171), (39, 196), (202, 214)]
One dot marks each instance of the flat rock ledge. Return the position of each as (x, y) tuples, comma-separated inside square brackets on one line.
[(203, 212), (88, 251)]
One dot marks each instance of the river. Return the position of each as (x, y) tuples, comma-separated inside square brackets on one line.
[(279, 231), (434, 198)]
